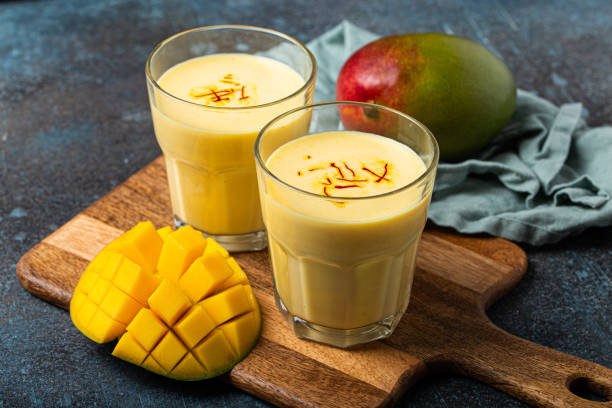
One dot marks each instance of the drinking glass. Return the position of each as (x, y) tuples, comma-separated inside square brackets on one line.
[(344, 281), (208, 150)]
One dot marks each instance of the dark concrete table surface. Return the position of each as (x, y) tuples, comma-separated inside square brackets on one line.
[(75, 122)]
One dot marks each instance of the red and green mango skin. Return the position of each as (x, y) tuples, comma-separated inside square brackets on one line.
[(461, 91)]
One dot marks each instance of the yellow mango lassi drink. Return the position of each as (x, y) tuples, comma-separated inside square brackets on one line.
[(207, 111), (344, 211), (209, 156)]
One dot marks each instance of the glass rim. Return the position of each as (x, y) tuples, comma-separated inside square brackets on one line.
[(432, 166), (306, 85)]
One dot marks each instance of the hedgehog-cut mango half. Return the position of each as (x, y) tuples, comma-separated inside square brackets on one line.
[(178, 303)]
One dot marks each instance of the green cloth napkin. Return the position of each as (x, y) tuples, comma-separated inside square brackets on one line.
[(545, 176)]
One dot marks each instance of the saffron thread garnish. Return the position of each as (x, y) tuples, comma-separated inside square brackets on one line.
[(242, 94), (349, 169), (221, 94), (327, 182), (217, 94), (384, 174), (337, 168), (380, 178), (352, 180), (348, 186)]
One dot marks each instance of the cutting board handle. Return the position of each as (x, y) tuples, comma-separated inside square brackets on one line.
[(530, 372)]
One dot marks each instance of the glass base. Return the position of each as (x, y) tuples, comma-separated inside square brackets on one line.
[(253, 241), (342, 338)]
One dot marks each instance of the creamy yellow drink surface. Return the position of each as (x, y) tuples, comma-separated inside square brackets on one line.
[(208, 140), (341, 261)]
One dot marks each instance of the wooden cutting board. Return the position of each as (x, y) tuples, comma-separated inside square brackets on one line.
[(444, 328)]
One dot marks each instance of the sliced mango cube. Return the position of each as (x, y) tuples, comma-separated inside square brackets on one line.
[(239, 330), (111, 263), (213, 246), (169, 351), (238, 276), (132, 279), (254, 304), (169, 302), (147, 328), (164, 232), (141, 244), (194, 326), (101, 287), (205, 275), (87, 282), (188, 368), (103, 328), (120, 306), (178, 303), (180, 249), (227, 304), (215, 352), (130, 350), (153, 366), (86, 310), (78, 301)]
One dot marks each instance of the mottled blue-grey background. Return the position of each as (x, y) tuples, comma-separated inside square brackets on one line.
[(74, 122)]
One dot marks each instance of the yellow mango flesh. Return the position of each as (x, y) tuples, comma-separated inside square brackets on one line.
[(178, 303)]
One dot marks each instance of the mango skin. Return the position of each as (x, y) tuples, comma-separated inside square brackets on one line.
[(119, 297), (460, 90)]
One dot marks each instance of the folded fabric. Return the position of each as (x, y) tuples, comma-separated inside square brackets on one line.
[(545, 176)]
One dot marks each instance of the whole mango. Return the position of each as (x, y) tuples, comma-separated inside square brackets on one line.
[(461, 91)]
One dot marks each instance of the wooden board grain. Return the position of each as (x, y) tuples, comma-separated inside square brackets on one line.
[(444, 328)]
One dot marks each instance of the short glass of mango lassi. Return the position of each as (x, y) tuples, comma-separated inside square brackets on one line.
[(344, 202), (211, 91)]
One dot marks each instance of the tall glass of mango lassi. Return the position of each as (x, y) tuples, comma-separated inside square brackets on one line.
[(344, 202), (211, 91)]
